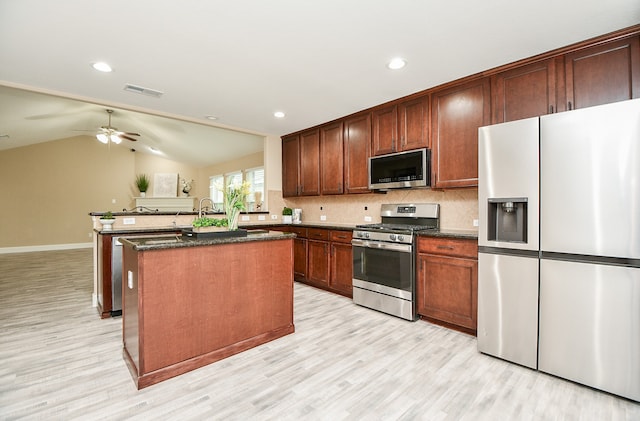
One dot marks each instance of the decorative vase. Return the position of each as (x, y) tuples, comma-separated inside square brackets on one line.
[(232, 219), (287, 219), (143, 194), (107, 223)]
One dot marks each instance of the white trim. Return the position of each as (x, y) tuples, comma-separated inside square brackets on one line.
[(48, 247)]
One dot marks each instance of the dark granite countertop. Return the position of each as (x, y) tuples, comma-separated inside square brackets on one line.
[(163, 242), (449, 233), (446, 233)]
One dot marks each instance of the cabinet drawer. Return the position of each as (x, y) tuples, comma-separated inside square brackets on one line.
[(299, 231), (318, 234), (448, 247), (341, 236)]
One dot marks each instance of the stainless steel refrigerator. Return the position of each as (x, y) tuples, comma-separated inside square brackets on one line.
[(583, 270)]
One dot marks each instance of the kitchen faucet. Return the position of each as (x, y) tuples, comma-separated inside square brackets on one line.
[(213, 205), (175, 218)]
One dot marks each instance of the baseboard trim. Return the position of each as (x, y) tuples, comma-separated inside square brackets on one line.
[(48, 247)]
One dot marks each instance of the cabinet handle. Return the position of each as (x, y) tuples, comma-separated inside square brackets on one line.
[(570, 106), (446, 248), (550, 109)]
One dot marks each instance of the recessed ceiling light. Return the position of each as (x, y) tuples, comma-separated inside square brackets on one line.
[(211, 117), (154, 150), (397, 63), (278, 114), (102, 67)]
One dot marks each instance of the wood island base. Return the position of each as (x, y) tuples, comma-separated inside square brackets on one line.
[(186, 307)]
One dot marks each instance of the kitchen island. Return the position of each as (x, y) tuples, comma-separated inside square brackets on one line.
[(188, 303)]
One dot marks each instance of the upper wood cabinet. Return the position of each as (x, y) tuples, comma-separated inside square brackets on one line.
[(602, 74), (301, 164), (523, 92), (357, 149), (331, 159), (385, 130), (413, 121), (457, 113), (401, 126), (290, 165), (309, 163)]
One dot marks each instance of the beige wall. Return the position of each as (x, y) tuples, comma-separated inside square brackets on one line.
[(48, 189), (150, 165)]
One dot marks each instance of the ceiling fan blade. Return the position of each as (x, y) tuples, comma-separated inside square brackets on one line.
[(130, 134), (124, 136)]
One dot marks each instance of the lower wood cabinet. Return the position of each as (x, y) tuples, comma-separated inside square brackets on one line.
[(341, 271), (447, 282), (323, 258), (299, 250)]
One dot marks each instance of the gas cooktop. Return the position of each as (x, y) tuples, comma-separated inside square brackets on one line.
[(395, 227)]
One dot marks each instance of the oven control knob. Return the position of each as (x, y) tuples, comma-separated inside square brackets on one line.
[(392, 237), (401, 238), (365, 235)]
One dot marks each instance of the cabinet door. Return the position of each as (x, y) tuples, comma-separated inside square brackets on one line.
[(413, 119), (606, 73), (300, 259), (357, 149), (385, 130), (318, 258), (457, 113), (332, 159), (310, 163), (290, 165), (341, 268), (447, 290), (523, 92)]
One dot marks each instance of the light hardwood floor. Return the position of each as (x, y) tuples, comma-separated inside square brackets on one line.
[(60, 361)]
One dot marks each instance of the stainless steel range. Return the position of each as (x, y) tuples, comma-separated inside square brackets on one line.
[(384, 258)]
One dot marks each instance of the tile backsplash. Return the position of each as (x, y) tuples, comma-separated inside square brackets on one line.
[(458, 207)]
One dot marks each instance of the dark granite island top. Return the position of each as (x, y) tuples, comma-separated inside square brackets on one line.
[(189, 303), (162, 242)]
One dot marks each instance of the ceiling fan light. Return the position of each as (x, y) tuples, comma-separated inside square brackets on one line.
[(102, 138), (115, 139)]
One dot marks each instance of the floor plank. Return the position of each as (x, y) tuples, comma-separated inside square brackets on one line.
[(59, 360)]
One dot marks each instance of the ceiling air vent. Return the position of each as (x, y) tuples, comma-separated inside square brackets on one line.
[(144, 91)]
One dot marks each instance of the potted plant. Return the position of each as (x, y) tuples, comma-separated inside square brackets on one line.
[(142, 182), (206, 224), (107, 220), (287, 215)]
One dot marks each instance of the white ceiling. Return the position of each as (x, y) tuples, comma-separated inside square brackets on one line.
[(242, 60)]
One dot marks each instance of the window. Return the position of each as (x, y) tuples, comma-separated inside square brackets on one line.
[(216, 191), (254, 176)]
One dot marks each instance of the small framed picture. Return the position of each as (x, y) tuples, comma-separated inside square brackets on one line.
[(165, 185)]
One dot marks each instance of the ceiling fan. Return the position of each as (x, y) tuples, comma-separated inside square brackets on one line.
[(109, 133)]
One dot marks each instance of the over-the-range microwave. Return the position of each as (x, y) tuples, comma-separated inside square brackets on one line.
[(400, 170)]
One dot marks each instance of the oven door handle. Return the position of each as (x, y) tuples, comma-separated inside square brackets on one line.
[(405, 248)]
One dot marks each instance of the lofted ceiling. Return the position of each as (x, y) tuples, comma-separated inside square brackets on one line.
[(241, 61)]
